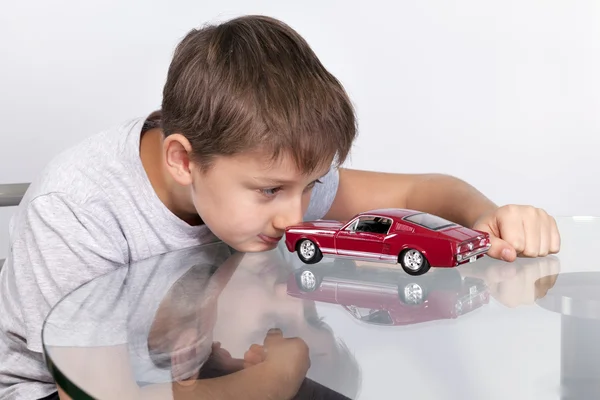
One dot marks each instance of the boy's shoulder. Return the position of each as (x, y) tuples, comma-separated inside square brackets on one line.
[(93, 176), (88, 170)]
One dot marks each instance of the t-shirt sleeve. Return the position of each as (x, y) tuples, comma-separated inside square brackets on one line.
[(58, 246), (323, 195)]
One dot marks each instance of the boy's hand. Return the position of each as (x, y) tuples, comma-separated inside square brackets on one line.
[(288, 359), (517, 230), (220, 363)]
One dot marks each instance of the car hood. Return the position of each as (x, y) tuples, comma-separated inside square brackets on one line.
[(321, 224), (460, 233)]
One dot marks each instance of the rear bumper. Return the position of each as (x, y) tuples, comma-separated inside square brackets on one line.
[(461, 258)]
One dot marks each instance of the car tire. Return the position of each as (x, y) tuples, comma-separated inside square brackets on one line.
[(413, 262), (412, 293), (308, 280), (308, 251)]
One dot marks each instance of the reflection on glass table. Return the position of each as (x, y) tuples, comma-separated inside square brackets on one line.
[(576, 298), (168, 327), (386, 296), (148, 331)]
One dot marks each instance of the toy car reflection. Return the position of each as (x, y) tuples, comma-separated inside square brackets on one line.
[(415, 240), (389, 297)]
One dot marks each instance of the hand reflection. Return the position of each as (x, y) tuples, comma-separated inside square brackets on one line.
[(288, 357), (220, 362), (521, 282)]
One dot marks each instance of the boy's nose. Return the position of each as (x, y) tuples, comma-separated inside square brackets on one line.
[(288, 216)]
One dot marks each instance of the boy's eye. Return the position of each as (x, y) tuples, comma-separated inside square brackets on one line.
[(270, 191), (273, 191)]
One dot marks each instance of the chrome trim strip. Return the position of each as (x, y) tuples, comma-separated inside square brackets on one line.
[(390, 260), (477, 252), (312, 231)]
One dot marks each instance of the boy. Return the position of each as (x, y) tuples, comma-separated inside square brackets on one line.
[(250, 135)]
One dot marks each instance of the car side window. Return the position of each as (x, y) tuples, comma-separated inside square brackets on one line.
[(352, 226), (373, 224), (400, 227)]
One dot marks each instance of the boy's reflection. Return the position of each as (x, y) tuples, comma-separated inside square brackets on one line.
[(214, 324), (256, 300)]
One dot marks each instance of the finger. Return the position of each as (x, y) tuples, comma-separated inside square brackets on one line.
[(501, 250), (510, 227), (532, 228), (223, 352), (255, 354), (234, 364), (544, 234), (273, 335), (256, 349), (554, 237)]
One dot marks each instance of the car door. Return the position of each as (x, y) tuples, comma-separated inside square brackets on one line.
[(361, 238)]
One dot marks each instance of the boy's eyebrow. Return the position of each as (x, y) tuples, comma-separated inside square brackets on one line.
[(281, 181)]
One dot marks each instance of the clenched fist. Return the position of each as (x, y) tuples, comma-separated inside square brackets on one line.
[(517, 230)]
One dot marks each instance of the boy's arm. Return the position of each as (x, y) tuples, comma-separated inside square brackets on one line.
[(442, 195), (258, 382), (515, 230)]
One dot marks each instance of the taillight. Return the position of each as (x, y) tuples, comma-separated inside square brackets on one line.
[(471, 245)]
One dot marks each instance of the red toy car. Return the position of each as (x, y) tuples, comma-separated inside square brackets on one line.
[(416, 240)]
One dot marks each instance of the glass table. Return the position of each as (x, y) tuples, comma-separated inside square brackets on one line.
[(484, 330)]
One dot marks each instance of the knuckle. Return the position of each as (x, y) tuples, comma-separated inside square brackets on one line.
[(518, 244), (508, 209), (300, 346), (542, 213), (530, 253)]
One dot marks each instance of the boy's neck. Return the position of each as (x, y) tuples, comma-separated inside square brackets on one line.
[(167, 190)]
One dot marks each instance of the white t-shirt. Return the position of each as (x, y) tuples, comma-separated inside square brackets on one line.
[(91, 210)]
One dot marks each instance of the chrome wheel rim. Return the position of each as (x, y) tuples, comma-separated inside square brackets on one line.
[(413, 260), (308, 280), (413, 293), (307, 249)]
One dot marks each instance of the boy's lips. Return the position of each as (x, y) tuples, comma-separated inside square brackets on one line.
[(270, 239)]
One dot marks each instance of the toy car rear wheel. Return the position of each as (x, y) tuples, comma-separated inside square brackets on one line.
[(308, 251), (413, 262)]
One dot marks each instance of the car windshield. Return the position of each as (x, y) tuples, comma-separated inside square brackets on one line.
[(429, 221)]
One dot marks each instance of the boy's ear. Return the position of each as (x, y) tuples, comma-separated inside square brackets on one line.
[(177, 150)]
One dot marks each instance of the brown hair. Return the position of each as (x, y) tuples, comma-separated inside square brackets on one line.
[(253, 83)]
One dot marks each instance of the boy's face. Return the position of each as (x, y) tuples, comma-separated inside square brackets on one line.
[(248, 201)]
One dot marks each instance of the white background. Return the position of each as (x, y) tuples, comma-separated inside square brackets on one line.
[(505, 95)]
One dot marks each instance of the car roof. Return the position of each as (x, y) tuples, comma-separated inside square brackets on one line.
[(395, 213)]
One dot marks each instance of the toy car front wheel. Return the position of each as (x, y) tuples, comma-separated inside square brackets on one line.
[(412, 293), (308, 251), (413, 262)]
